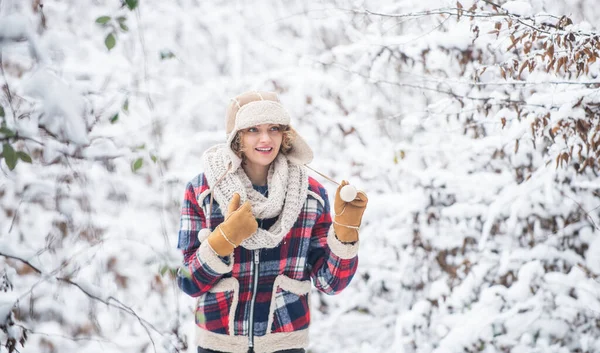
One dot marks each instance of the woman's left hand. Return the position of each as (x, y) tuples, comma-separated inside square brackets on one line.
[(348, 215)]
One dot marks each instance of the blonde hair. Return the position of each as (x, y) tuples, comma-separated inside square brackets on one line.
[(286, 143)]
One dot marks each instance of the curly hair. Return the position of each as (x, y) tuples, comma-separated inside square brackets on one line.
[(286, 143)]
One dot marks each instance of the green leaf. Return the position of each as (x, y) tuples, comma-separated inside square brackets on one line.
[(24, 157), (121, 19), (137, 164), (9, 156), (153, 158), (114, 118), (110, 41), (166, 54), (166, 269), (126, 105), (140, 147), (1, 111), (7, 132), (123, 27), (132, 4), (103, 20)]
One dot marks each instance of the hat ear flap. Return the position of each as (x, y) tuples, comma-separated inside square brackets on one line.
[(300, 153), (232, 108)]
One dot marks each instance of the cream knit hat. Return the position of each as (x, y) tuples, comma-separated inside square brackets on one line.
[(255, 108)]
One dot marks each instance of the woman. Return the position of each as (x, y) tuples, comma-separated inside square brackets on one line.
[(255, 229)]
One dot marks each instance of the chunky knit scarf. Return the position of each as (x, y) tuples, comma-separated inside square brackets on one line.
[(288, 188)]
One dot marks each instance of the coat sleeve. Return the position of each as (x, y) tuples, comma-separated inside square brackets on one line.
[(201, 267), (333, 263)]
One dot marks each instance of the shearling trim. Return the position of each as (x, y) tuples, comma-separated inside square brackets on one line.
[(261, 112), (230, 284), (268, 343), (341, 250), (208, 256), (301, 152), (317, 197), (220, 342), (287, 284), (237, 102), (281, 341)]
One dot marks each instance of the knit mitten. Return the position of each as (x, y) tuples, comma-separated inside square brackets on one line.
[(239, 225), (348, 215)]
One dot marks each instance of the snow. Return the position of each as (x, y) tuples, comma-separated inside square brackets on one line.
[(592, 260), (520, 8), (468, 244), (64, 109)]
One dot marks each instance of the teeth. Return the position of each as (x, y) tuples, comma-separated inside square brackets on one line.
[(264, 149)]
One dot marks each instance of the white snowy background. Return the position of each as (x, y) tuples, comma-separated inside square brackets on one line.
[(480, 235)]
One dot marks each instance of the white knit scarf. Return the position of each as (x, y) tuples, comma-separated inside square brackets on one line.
[(288, 188)]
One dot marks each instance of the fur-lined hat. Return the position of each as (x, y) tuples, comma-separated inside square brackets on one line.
[(259, 107)]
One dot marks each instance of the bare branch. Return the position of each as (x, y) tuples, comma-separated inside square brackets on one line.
[(108, 302)]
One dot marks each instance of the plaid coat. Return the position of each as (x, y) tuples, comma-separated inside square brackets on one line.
[(260, 298)]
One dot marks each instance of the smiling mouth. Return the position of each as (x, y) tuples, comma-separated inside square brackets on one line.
[(264, 150)]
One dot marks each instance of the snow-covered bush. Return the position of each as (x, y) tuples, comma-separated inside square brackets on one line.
[(472, 125)]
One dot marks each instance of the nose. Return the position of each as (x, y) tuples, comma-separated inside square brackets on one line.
[(265, 137)]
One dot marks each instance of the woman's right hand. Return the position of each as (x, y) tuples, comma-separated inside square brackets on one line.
[(240, 222), (239, 225)]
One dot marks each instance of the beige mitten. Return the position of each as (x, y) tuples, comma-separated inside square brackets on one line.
[(239, 225), (348, 215)]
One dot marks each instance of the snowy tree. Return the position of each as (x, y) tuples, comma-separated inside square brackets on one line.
[(472, 125)]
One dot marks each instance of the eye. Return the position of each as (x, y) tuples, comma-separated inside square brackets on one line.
[(252, 129), (275, 128)]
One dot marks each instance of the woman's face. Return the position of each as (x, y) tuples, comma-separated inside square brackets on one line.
[(261, 144)]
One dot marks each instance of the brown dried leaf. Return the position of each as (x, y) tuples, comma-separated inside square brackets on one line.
[(514, 43), (583, 166), (523, 66), (565, 157), (560, 63), (503, 120), (550, 52), (551, 65)]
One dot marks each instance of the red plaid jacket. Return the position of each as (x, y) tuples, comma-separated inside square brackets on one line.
[(260, 298)]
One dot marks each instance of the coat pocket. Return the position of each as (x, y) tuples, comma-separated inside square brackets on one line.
[(289, 309), (215, 310)]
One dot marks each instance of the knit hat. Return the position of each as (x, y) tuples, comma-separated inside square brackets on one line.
[(255, 108)]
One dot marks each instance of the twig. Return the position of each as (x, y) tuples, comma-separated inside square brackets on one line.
[(108, 302), (8, 92)]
